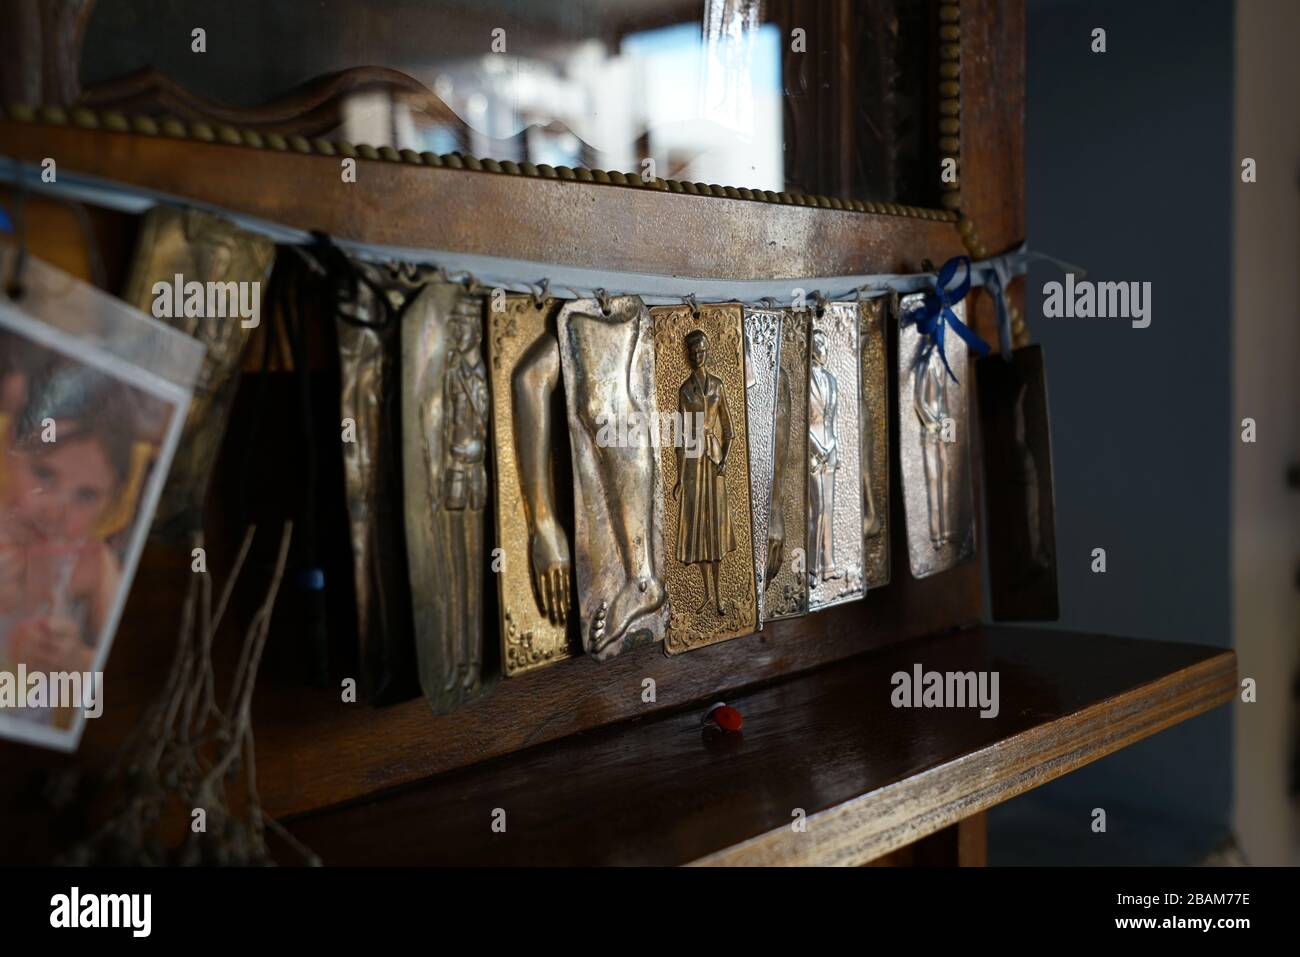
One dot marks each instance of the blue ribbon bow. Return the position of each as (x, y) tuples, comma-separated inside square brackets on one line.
[(936, 314)]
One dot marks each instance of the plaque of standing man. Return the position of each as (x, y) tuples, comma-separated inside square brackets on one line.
[(934, 445), (834, 555)]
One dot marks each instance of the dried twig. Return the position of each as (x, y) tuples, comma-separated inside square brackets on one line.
[(185, 752)]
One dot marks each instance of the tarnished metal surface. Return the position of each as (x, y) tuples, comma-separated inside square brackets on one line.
[(704, 455), (534, 568), (200, 248), (445, 415), (786, 584), (834, 557), (607, 357), (762, 372), (934, 447), (874, 418), (369, 400)]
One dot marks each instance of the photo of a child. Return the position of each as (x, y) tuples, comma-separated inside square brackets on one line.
[(76, 447)]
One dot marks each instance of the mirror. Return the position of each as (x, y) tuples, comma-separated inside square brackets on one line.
[(823, 97)]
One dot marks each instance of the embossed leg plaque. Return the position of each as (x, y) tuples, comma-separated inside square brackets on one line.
[(834, 464), (786, 580), (1018, 488), (530, 449), (708, 530), (875, 441), (762, 375), (934, 446), (606, 354), (445, 415)]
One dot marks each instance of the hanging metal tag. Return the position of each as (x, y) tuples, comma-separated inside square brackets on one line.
[(445, 416), (708, 530), (606, 354), (786, 579), (875, 441), (187, 247), (762, 374), (534, 565), (934, 446), (369, 403), (1018, 488), (834, 551)]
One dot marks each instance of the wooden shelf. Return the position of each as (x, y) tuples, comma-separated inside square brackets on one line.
[(871, 778), (563, 222)]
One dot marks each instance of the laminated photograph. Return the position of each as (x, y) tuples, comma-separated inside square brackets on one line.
[(93, 395)]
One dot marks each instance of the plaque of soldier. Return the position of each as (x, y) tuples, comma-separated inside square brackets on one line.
[(609, 390), (875, 442), (834, 556), (786, 581), (762, 368), (531, 454), (934, 446), (445, 415), (700, 372)]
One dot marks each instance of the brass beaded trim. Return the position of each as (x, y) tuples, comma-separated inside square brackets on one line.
[(233, 136), (950, 100)]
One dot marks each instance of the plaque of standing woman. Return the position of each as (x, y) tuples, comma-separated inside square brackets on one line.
[(931, 402), (704, 532), (823, 461)]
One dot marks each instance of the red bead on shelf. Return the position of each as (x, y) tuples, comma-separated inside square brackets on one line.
[(726, 717)]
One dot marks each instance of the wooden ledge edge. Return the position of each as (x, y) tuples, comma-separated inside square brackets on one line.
[(873, 824)]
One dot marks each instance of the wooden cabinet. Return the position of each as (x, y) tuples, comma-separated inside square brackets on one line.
[(587, 770)]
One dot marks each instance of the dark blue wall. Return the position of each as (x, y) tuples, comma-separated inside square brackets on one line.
[(1129, 169)]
